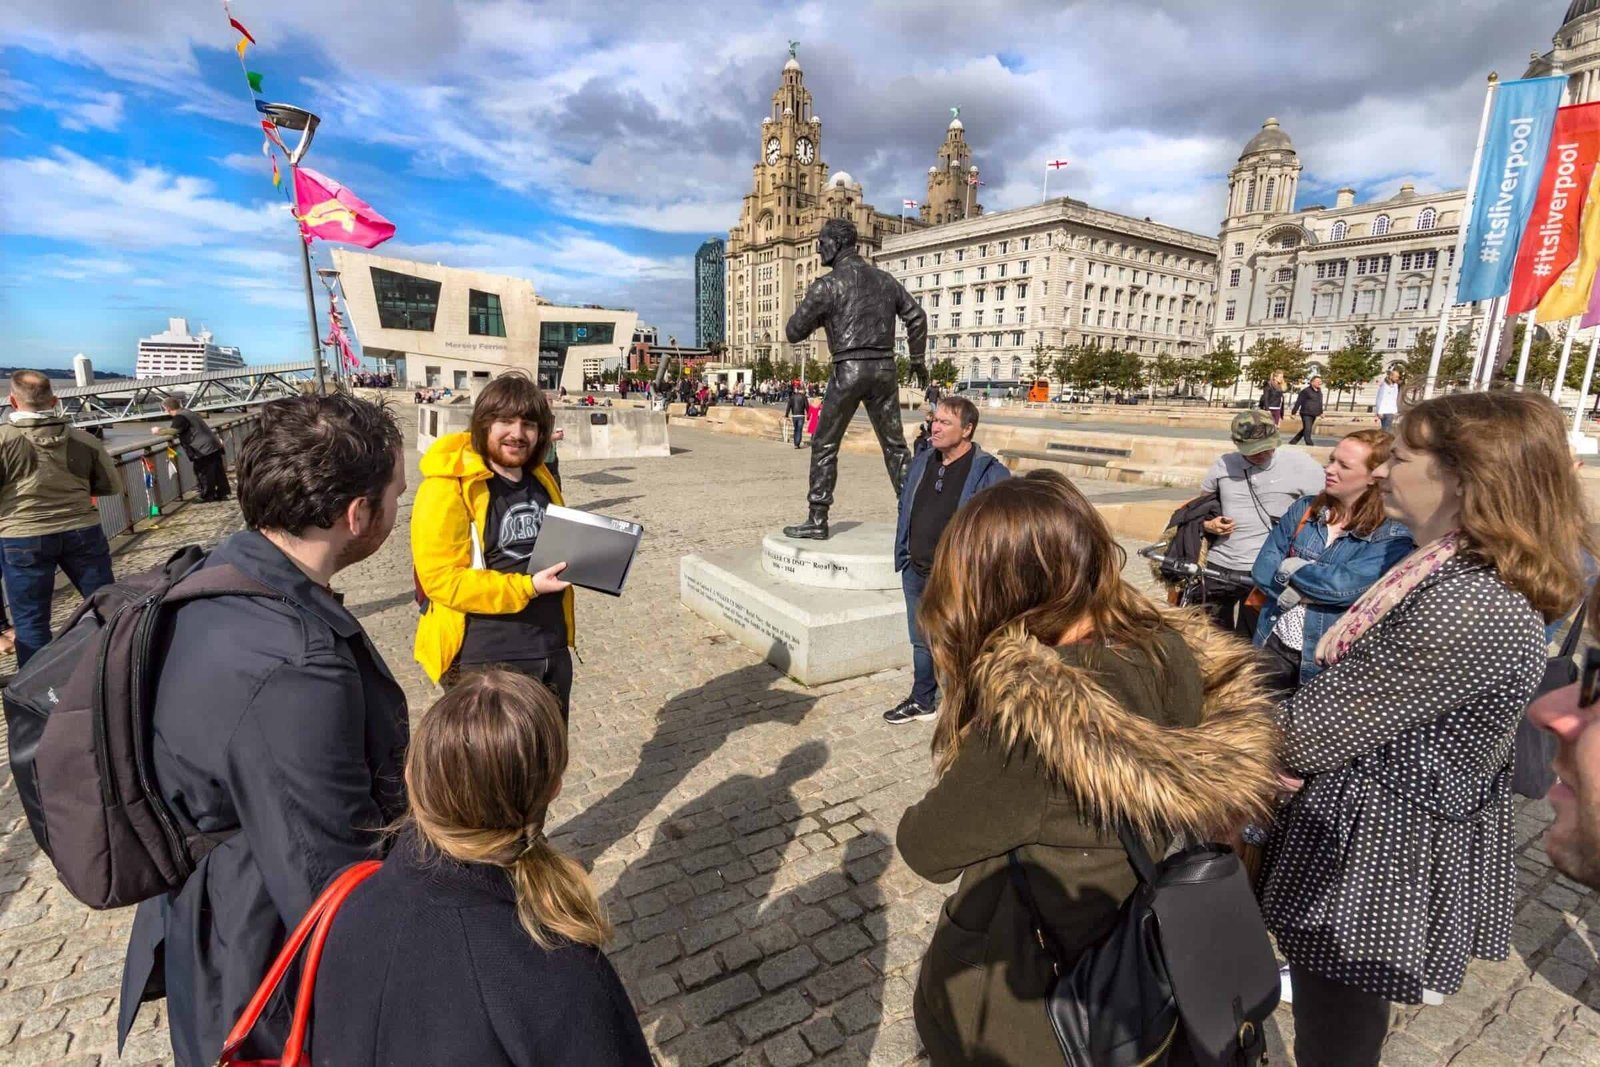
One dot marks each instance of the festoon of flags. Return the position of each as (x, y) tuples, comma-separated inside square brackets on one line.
[(1513, 140)]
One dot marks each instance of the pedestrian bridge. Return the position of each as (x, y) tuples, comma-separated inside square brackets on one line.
[(105, 403)]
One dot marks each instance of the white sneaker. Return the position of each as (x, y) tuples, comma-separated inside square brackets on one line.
[(1286, 990)]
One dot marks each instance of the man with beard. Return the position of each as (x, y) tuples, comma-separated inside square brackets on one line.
[(856, 304), (277, 727), (477, 516), (1573, 716)]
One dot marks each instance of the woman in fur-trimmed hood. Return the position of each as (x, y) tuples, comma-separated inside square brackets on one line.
[(1072, 704)]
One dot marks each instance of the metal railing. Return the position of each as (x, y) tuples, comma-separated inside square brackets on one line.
[(153, 480)]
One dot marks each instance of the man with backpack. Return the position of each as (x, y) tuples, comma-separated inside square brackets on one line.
[(277, 730), (50, 474)]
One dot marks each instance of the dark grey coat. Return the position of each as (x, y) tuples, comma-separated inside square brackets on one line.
[(278, 720), (856, 303)]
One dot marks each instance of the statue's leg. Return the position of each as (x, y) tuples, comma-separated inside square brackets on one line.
[(883, 408), (846, 387)]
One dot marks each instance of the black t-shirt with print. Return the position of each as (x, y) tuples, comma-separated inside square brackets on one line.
[(931, 510), (516, 512)]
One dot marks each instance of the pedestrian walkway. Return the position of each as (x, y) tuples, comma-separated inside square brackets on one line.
[(740, 826)]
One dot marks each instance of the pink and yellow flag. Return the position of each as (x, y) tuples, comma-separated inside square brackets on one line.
[(332, 212), (1550, 242), (1569, 295)]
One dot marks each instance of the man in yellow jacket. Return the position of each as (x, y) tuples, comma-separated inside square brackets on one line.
[(473, 526)]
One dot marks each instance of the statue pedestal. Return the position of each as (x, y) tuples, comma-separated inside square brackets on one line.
[(817, 610)]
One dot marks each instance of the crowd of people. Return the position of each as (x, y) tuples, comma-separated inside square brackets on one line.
[(1343, 692), (372, 380)]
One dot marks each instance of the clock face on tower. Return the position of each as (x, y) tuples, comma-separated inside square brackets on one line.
[(772, 150), (804, 151)]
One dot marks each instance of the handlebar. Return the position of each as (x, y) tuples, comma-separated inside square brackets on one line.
[(1155, 553)]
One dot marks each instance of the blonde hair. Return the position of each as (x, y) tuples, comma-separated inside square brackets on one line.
[(1279, 380), (483, 767), (1029, 554), (1522, 509)]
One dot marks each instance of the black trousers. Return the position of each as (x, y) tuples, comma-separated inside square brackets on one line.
[(1280, 667), (1336, 1025), (856, 381), (211, 474), (554, 671), (1308, 425), (1227, 608)]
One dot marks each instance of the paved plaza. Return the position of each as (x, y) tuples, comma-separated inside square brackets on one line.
[(740, 826)]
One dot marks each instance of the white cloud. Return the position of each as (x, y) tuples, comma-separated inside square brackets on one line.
[(92, 111)]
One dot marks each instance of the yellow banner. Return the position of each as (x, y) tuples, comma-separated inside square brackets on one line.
[(1569, 296)]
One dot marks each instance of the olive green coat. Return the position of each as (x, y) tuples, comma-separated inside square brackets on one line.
[(1068, 742)]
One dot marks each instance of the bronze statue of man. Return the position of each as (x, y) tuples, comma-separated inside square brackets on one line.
[(856, 304)]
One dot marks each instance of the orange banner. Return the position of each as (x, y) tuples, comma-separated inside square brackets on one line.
[(1550, 241)]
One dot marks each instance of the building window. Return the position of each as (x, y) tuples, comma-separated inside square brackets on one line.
[(1016, 339), (955, 320), (1233, 278), (978, 295), (483, 314), (933, 321), (938, 257), (1022, 290), (934, 300), (999, 316), (961, 254), (999, 292), (902, 264), (1267, 202), (1323, 307), (955, 298), (1280, 307), (1250, 197), (1238, 248), (1380, 225), (1394, 339), (1373, 265), (919, 261), (1283, 274), (1230, 310), (1004, 247), (1364, 302), (983, 250), (936, 279), (576, 333), (1024, 248), (1410, 298), (404, 302), (1426, 220), (994, 340), (1339, 230), (1022, 316)]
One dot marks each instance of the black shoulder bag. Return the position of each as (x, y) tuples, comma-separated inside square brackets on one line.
[(1186, 966), (1531, 771)]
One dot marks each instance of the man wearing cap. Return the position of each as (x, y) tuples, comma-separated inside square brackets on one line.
[(1255, 486)]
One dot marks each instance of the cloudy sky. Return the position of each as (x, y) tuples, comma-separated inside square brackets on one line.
[(592, 146)]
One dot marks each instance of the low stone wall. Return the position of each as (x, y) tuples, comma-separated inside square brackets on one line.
[(590, 433)]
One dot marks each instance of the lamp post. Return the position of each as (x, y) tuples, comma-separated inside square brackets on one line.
[(289, 117)]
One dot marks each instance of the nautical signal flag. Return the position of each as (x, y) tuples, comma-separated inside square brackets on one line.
[(332, 212), (1056, 164), (1550, 242), (1510, 165)]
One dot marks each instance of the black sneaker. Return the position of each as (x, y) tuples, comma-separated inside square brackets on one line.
[(908, 711)]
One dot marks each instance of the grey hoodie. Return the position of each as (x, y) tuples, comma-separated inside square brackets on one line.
[(50, 473)]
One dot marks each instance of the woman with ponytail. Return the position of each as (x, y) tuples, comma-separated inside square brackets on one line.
[(477, 942)]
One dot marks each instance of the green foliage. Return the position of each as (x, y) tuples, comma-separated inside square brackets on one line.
[(1124, 371), (817, 371), (1275, 354), (902, 369), (764, 368), (1357, 362), (1039, 367), (943, 371), (1165, 370), (785, 371), (1221, 365)]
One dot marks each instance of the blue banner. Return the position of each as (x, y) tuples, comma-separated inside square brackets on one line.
[(1514, 148)]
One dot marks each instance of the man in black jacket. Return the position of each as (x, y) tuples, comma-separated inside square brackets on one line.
[(1308, 405), (856, 303), (276, 723), (795, 409), (201, 444)]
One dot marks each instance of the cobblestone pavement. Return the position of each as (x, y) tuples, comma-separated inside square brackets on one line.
[(739, 825)]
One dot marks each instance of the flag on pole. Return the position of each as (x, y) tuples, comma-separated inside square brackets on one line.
[(254, 79), (1509, 170), (972, 179), (271, 132), (236, 24), (1570, 294), (332, 212), (339, 340), (1056, 164), (908, 203), (240, 47), (277, 178), (1551, 240)]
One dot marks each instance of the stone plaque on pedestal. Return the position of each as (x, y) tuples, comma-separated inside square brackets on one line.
[(817, 610)]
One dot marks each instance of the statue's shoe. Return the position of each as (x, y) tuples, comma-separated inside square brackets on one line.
[(809, 530)]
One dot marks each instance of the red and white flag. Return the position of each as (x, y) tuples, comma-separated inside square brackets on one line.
[(972, 179), (1056, 164), (909, 203)]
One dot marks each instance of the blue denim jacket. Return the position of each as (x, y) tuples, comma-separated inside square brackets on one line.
[(1334, 579)]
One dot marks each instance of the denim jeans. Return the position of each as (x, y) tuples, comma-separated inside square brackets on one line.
[(1386, 422), (30, 576), (924, 688), (799, 424)]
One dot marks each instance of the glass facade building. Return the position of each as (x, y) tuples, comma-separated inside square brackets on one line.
[(708, 293)]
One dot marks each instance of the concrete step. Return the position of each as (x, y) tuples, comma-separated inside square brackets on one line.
[(1102, 468)]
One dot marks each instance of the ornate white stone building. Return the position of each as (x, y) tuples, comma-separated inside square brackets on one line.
[(1058, 273), (1575, 51)]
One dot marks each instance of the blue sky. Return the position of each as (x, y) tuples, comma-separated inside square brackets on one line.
[(592, 146)]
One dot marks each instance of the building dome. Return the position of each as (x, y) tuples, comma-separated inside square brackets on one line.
[(841, 178), (955, 124), (793, 64), (1273, 139), (1579, 8), (933, 170)]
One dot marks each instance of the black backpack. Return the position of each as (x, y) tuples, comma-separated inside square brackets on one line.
[(1187, 974), (78, 721)]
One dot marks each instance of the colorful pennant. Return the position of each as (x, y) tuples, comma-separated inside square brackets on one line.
[(246, 34), (254, 79)]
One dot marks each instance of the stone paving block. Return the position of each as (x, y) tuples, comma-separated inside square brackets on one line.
[(771, 1014), (787, 967), (715, 1001), (703, 935), (698, 970), (704, 1046), (786, 1050)]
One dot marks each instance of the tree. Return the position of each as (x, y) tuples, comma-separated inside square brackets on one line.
[(1165, 370), (902, 369), (1040, 366), (1357, 362), (785, 371), (943, 371), (1191, 372), (764, 369), (1455, 362), (817, 371), (1221, 366), (1124, 371), (1271, 354)]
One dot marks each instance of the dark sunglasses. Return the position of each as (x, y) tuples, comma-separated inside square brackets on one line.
[(1589, 682)]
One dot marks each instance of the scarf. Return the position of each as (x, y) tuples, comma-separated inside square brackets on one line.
[(1385, 594)]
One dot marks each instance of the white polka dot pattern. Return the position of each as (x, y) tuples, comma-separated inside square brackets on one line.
[(1393, 865)]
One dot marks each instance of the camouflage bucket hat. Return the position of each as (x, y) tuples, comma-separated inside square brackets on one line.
[(1253, 432)]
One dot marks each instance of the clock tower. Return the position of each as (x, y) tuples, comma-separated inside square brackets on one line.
[(772, 254)]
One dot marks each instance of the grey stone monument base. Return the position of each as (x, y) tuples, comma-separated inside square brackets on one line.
[(814, 634)]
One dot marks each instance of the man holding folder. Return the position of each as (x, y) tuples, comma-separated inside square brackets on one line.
[(475, 521)]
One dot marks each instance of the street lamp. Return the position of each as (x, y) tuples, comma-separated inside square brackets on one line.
[(289, 117)]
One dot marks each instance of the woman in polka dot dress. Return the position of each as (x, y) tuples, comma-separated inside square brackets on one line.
[(1392, 864)]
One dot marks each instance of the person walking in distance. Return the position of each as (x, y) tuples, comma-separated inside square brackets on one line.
[(1388, 405), (942, 478), (1272, 396), (475, 521), (50, 474), (276, 723), (201, 444), (795, 410), (1308, 405)]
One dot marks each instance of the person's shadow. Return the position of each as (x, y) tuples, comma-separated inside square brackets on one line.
[(689, 728), (762, 935)]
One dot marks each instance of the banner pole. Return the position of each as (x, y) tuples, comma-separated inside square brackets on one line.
[(1461, 242), (1045, 195), (1566, 356), (1527, 346), (1497, 308), (1583, 391)]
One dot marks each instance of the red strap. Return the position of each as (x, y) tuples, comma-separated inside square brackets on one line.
[(1296, 535), (314, 924)]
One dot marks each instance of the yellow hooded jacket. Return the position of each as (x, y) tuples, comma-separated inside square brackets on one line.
[(446, 550)]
